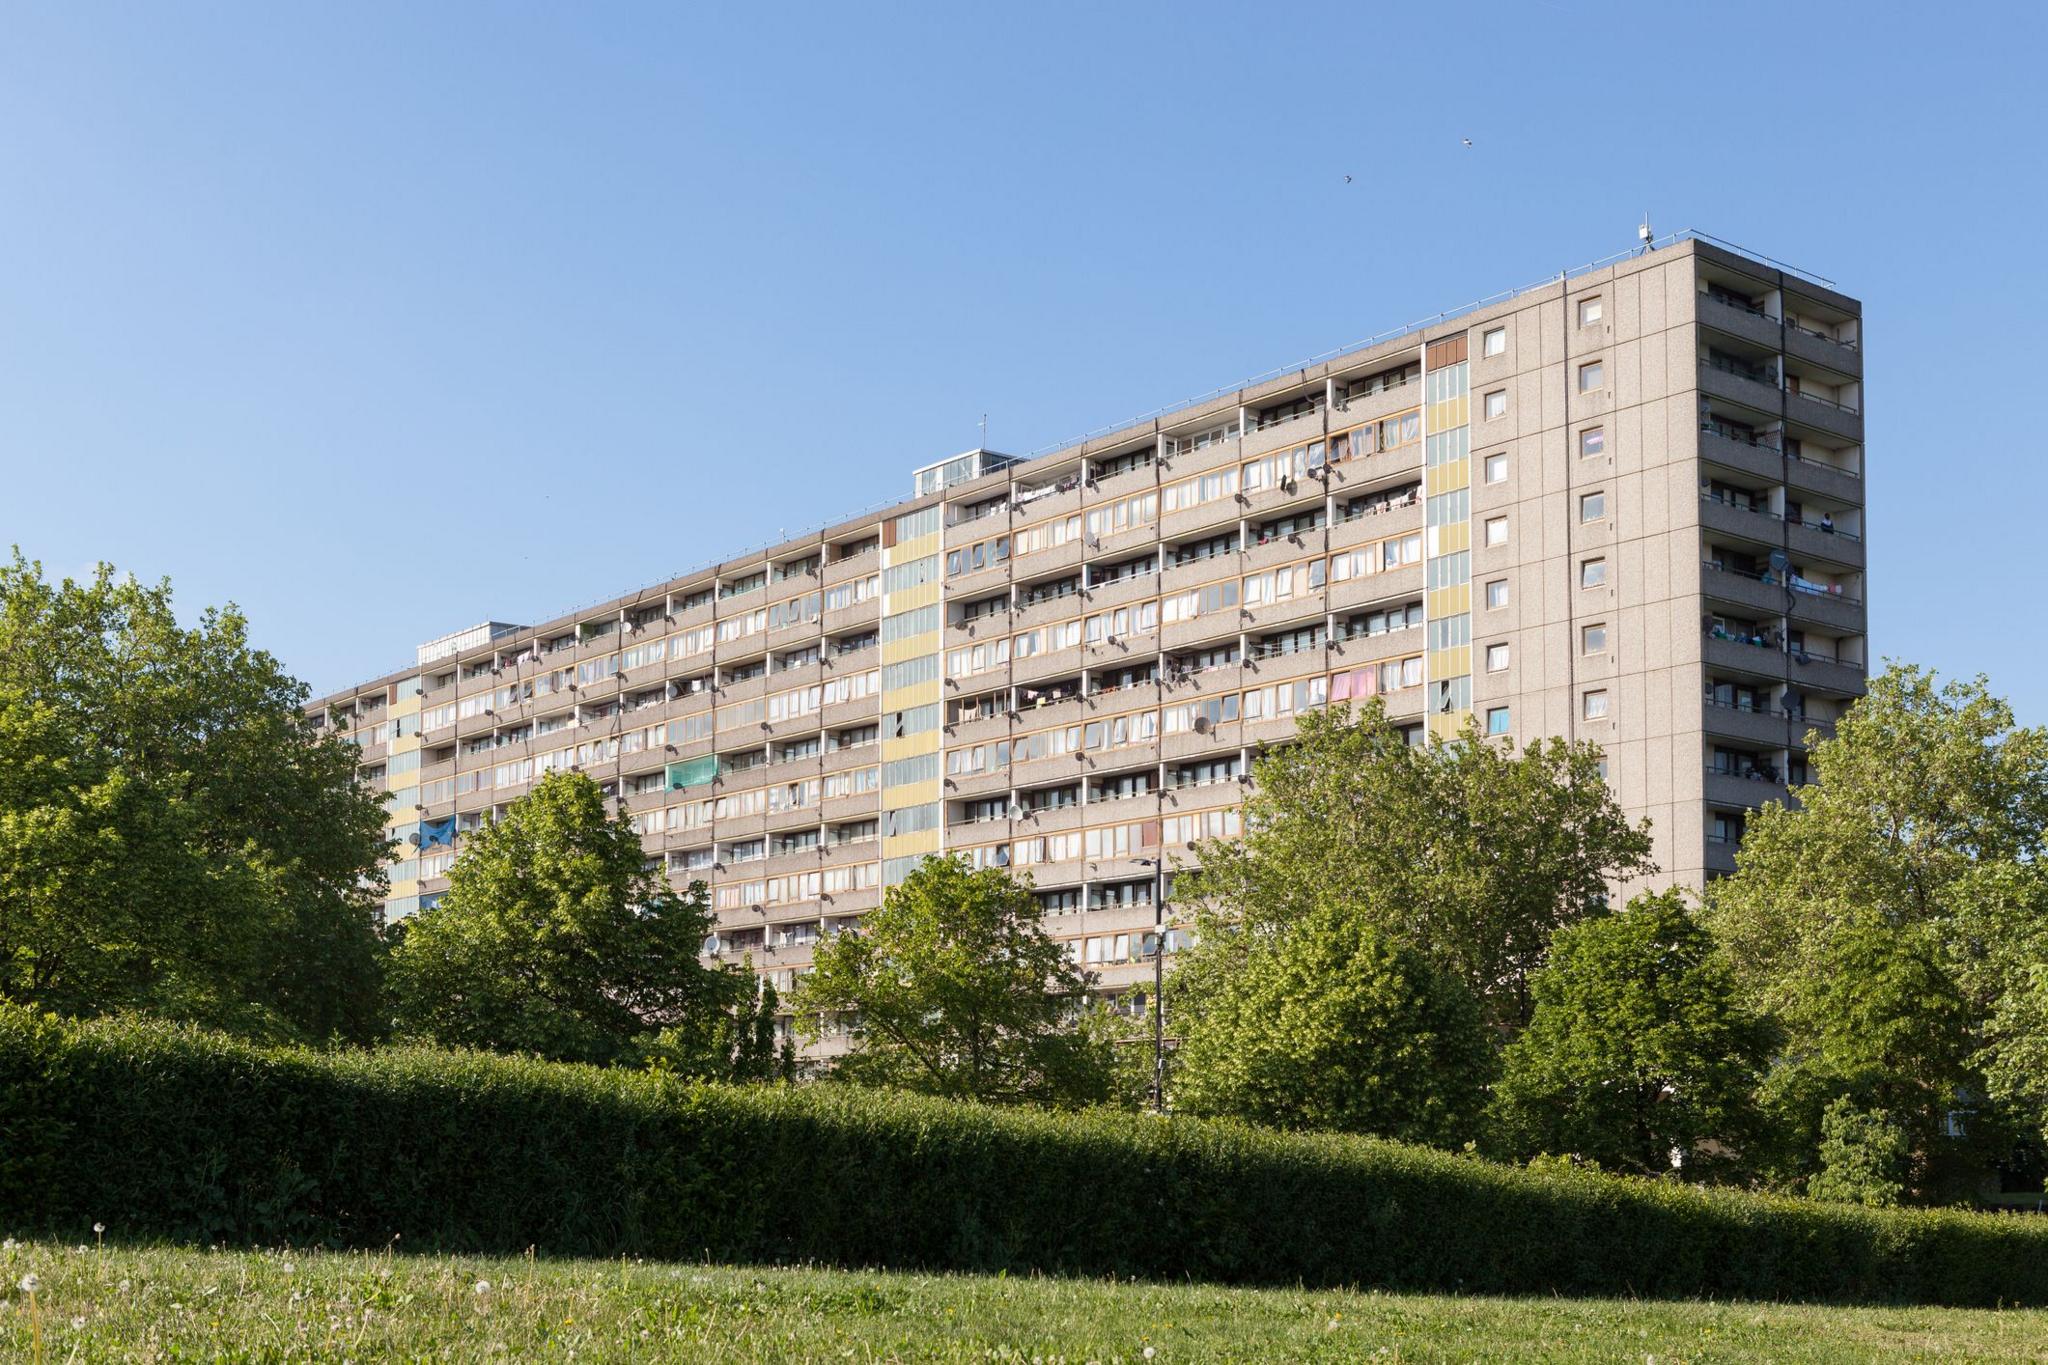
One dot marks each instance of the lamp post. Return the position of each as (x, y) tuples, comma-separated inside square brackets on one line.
[(1158, 866)]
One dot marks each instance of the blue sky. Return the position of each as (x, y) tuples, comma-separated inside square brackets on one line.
[(361, 316)]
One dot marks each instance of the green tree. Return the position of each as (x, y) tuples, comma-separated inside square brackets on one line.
[(952, 987), (1894, 921), (1469, 852), (1332, 1025), (1639, 1046), (1863, 1157), (556, 938), (736, 1044), (175, 836)]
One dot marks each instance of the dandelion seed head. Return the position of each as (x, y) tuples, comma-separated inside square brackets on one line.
[(99, 1227), (78, 1324), (483, 1286), (31, 1282)]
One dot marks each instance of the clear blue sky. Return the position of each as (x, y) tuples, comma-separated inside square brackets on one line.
[(362, 315)]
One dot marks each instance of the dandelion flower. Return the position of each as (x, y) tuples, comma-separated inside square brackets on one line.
[(31, 1282)]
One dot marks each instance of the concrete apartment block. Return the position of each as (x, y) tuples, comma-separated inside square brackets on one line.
[(1625, 506)]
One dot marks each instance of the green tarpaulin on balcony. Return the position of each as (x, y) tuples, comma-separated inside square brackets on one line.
[(693, 772)]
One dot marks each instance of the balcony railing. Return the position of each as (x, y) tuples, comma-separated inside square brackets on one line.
[(1773, 712), (1749, 772), (1792, 581), (1835, 403), (1825, 527), (1741, 369), (1847, 342)]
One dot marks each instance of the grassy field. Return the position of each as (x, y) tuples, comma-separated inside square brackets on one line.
[(162, 1304)]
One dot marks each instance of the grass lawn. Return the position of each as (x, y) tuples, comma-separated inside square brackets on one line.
[(168, 1304)]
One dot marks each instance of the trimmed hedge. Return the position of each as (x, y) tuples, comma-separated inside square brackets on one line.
[(175, 1134)]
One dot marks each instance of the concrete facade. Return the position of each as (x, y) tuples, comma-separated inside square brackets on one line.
[(1624, 507)]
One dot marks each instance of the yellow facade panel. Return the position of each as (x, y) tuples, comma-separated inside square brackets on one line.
[(1447, 477), (903, 698), (910, 746), (1452, 601), (1446, 724), (1455, 662), (912, 647), (1454, 537), (909, 599), (911, 845), (903, 551), (910, 794)]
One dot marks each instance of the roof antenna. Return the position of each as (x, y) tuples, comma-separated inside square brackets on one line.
[(984, 431), (1645, 235)]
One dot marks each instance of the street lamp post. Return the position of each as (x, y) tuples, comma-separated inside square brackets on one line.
[(1158, 866)]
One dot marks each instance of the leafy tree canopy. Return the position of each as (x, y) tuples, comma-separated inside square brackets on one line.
[(556, 938), (952, 987), (1331, 1024), (1471, 853), (1639, 1048), (1896, 922), (174, 835)]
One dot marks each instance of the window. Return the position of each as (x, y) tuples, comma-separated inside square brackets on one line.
[(1497, 403), (1494, 342), (1497, 468), (1592, 573), (1497, 720), (1497, 594), (1590, 311), (1496, 530), (1593, 441), (1592, 375), (1592, 506), (1596, 705), (1593, 639), (1496, 658)]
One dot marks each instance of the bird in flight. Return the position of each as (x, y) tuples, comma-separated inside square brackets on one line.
[(1347, 179), (1467, 141)]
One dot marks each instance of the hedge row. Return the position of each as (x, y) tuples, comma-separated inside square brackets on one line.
[(172, 1134)]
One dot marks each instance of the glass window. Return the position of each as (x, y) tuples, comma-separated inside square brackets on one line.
[(1496, 530), (1594, 639), (1497, 720), (1592, 506), (1596, 705), (1497, 469), (1592, 573), (1592, 441), (1592, 375), (1496, 658), (1495, 342), (1497, 593), (1590, 311), (1497, 403)]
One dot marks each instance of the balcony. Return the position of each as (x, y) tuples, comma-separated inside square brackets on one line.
[(1744, 789)]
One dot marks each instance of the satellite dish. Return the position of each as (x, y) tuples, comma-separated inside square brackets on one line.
[(1201, 725), (1780, 561)]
